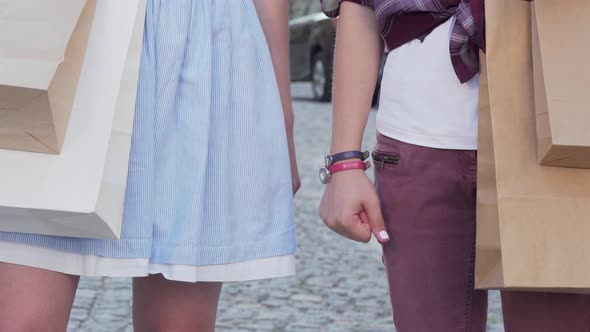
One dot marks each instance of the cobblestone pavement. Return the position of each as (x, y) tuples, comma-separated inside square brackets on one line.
[(340, 285)]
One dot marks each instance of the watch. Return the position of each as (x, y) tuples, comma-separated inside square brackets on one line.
[(326, 172), (325, 175), (330, 160)]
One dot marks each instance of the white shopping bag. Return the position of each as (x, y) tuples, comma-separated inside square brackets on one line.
[(80, 192), (42, 50)]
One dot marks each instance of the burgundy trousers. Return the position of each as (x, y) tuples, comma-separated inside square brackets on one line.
[(428, 201)]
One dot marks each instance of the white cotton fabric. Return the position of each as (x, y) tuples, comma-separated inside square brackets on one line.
[(422, 100), (95, 266)]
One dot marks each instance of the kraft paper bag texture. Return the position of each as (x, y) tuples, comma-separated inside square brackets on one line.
[(533, 221), (42, 50), (562, 81), (80, 193)]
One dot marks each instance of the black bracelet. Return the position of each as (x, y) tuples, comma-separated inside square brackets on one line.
[(331, 159)]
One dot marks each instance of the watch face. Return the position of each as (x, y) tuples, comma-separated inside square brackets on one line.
[(328, 160), (324, 175)]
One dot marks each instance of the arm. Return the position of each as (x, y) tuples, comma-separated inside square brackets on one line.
[(274, 18), (350, 205), (356, 67)]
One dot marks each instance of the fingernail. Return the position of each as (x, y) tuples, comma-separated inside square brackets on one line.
[(383, 235)]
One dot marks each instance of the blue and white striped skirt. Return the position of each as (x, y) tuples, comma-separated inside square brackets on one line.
[(209, 186)]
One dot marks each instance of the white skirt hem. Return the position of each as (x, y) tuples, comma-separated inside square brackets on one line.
[(96, 266)]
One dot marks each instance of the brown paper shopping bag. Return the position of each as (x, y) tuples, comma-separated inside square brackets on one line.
[(562, 81), (533, 222), (80, 192), (42, 49)]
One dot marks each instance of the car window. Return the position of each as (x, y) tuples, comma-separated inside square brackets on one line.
[(316, 7), (331, 4), (299, 8)]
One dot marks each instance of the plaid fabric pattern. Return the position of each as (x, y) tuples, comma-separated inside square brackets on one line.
[(466, 38)]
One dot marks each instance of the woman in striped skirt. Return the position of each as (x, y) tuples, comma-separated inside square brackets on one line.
[(211, 177)]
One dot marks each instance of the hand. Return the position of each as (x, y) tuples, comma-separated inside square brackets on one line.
[(350, 207), (295, 180)]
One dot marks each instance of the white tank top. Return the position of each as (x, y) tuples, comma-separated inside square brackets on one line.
[(422, 100)]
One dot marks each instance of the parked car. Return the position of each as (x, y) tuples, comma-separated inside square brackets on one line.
[(312, 51)]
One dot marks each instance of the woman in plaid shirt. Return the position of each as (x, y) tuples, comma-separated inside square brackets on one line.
[(425, 164)]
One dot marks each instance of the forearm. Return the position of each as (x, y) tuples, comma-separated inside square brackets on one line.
[(356, 66), (274, 18)]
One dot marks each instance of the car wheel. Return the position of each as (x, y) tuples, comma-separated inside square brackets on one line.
[(321, 77)]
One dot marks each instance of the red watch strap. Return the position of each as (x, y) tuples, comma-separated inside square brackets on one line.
[(348, 166)]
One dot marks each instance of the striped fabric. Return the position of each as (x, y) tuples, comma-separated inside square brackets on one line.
[(209, 179)]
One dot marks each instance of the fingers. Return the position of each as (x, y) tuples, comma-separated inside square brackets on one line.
[(295, 179), (356, 230), (364, 218), (345, 209), (296, 186), (353, 228), (375, 219), (350, 226)]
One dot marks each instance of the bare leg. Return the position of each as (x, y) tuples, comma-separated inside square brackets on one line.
[(35, 300), (162, 305)]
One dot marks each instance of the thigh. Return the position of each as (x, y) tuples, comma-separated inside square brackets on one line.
[(163, 305), (34, 299), (545, 312), (428, 202)]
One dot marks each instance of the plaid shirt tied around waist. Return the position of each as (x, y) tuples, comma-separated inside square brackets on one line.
[(403, 20)]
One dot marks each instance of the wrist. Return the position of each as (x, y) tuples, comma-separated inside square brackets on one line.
[(348, 141), (348, 173), (289, 115), (335, 149), (328, 171), (345, 156), (346, 161)]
